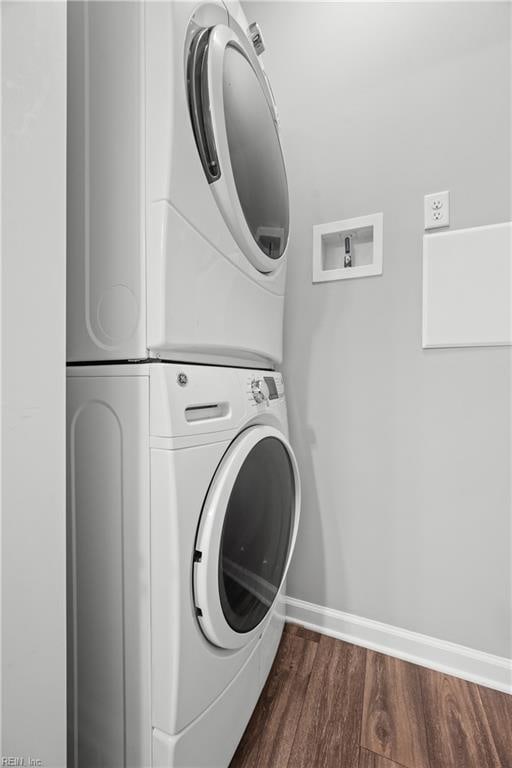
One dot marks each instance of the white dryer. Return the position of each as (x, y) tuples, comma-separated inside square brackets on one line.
[(178, 212), (183, 507)]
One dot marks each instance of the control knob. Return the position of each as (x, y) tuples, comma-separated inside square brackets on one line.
[(259, 391)]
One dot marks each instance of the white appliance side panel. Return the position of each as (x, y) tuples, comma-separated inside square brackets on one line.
[(201, 302), (109, 585), (467, 287), (106, 268)]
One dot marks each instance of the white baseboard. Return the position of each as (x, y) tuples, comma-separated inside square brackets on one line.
[(450, 658)]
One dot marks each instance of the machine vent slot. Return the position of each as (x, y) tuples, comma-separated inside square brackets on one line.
[(206, 412)]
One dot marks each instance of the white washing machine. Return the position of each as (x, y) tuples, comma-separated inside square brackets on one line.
[(183, 510), (178, 212)]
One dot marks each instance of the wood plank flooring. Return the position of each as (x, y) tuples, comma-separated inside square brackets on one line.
[(393, 723), (329, 704)]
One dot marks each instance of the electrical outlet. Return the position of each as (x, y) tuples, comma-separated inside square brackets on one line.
[(437, 210)]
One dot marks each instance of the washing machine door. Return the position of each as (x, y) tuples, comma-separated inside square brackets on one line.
[(246, 536), (236, 131)]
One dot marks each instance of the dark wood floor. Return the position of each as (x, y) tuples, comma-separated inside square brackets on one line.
[(329, 704)]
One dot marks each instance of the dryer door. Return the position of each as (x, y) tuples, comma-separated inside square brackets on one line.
[(236, 131), (246, 536)]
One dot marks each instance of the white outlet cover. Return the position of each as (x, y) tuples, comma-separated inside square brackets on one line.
[(437, 210)]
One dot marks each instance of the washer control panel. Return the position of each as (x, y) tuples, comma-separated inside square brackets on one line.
[(263, 388)]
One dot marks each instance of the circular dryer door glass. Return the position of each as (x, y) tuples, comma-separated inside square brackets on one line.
[(255, 153), (256, 534)]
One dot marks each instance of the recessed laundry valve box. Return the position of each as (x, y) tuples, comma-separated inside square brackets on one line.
[(348, 248)]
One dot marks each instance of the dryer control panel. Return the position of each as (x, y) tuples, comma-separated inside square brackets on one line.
[(264, 388)]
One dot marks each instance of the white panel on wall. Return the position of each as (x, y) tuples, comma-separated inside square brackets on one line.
[(467, 287)]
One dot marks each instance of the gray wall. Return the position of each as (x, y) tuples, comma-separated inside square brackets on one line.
[(404, 453), (32, 382)]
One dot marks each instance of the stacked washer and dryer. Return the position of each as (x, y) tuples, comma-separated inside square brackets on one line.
[(183, 490)]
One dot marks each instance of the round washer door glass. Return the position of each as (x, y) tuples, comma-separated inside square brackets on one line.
[(255, 153), (256, 535)]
